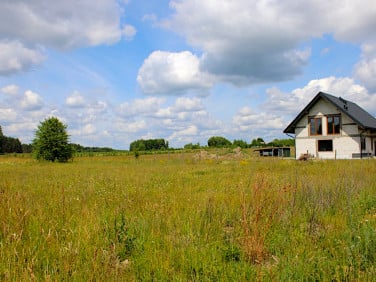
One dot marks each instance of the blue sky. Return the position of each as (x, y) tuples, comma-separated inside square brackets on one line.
[(183, 70)]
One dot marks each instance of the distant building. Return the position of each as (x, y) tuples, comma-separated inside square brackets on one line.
[(333, 128), (274, 152)]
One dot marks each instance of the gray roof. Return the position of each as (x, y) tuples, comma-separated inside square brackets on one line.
[(356, 113)]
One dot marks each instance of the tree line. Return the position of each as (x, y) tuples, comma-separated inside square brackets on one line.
[(82, 149), (222, 142), (51, 143), (10, 144), (148, 145)]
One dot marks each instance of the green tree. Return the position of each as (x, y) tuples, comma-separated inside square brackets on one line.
[(148, 145), (239, 143), (282, 143), (191, 146), (51, 141), (259, 142), (26, 148), (219, 142), (9, 144)]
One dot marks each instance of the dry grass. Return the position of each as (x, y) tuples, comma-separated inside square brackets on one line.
[(263, 208)]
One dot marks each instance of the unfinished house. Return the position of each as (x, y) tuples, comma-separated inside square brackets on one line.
[(331, 127)]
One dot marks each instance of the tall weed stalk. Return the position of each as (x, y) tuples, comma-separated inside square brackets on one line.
[(260, 211)]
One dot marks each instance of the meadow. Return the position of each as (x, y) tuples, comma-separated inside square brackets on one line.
[(177, 217)]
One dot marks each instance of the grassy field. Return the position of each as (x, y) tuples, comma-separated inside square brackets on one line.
[(180, 217)]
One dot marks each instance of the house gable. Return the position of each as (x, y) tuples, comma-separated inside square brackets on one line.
[(361, 117)]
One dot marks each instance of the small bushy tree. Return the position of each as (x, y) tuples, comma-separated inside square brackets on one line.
[(51, 141), (259, 142), (239, 143), (218, 142)]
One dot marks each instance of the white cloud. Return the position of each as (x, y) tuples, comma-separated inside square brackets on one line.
[(63, 24), (185, 104), (88, 129), (31, 101), (365, 69), (253, 41), (11, 89), (145, 106), (129, 32), (172, 74), (131, 127), (15, 57), (7, 115), (247, 119), (291, 103), (76, 100), (184, 135), (21, 130)]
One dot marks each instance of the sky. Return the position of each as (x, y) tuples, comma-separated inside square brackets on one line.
[(115, 71)]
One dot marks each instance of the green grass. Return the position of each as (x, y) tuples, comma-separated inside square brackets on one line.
[(181, 218)]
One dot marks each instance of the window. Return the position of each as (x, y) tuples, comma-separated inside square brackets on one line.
[(315, 126), (362, 143), (325, 145), (334, 124)]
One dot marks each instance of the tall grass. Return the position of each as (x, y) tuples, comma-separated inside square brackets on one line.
[(176, 217)]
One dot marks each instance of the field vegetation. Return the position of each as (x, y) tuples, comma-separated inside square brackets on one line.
[(176, 217)]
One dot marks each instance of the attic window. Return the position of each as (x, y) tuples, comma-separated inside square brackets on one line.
[(315, 126), (334, 124)]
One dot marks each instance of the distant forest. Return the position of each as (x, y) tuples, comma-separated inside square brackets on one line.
[(13, 145)]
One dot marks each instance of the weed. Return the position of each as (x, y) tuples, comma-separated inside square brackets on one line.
[(122, 243), (263, 208)]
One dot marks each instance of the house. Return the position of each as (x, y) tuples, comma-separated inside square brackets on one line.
[(333, 128)]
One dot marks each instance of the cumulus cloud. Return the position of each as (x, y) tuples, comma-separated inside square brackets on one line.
[(145, 106), (11, 89), (184, 135), (63, 24), (172, 73), (129, 32), (31, 101), (131, 127), (25, 26), (291, 103), (183, 108), (255, 41), (88, 129), (15, 57), (365, 69), (185, 104), (7, 115), (76, 100), (248, 119)]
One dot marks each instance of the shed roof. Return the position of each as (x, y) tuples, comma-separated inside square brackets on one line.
[(356, 113)]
